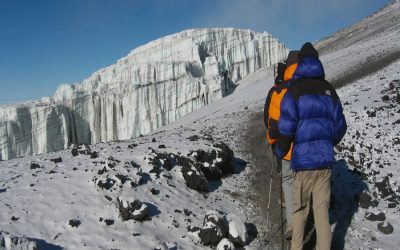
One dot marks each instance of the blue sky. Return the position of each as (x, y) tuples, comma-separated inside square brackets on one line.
[(44, 43)]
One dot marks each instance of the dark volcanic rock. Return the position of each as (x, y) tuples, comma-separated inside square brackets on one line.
[(385, 188), (134, 164), (365, 200), (154, 191), (211, 172), (74, 223), (109, 222), (385, 227), (207, 163), (82, 149), (56, 160), (371, 113), (193, 175), (214, 229), (94, 155), (74, 152), (102, 171), (375, 217), (216, 163), (192, 229), (135, 210), (133, 145), (105, 183), (111, 162), (34, 165), (226, 155), (385, 98), (193, 138), (13, 218), (187, 212), (164, 160), (122, 178), (52, 172)]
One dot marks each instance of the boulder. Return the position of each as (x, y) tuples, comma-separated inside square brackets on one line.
[(104, 182), (207, 163), (225, 158), (193, 176), (211, 171), (164, 160), (111, 162), (365, 200), (74, 152), (56, 160), (385, 227), (94, 155), (214, 229), (225, 244), (133, 145), (386, 192), (34, 165), (74, 223), (109, 222), (193, 138), (135, 209), (82, 149), (216, 163), (237, 230), (375, 216)]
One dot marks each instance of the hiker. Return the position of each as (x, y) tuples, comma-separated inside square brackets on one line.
[(271, 117), (312, 119)]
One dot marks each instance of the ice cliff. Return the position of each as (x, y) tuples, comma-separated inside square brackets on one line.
[(154, 85)]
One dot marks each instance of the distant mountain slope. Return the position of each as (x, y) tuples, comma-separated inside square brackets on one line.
[(364, 47)]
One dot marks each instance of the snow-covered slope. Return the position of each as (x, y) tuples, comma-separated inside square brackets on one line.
[(370, 152), (152, 86), (362, 48), (63, 205)]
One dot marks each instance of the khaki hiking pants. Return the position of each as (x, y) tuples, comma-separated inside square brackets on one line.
[(315, 183)]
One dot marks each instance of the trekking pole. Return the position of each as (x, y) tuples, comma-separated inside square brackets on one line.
[(282, 241), (270, 187)]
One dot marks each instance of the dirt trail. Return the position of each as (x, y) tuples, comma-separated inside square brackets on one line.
[(256, 150)]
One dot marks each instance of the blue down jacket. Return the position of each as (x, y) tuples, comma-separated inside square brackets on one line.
[(311, 117)]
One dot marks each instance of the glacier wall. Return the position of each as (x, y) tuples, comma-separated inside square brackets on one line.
[(154, 85)]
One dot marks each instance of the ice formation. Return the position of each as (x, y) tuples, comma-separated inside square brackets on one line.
[(152, 86)]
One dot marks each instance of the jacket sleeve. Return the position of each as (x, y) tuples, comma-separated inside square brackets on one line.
[(340, 122), (266, 107), (287, 125)]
